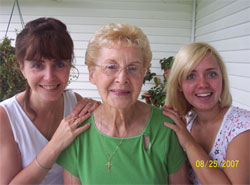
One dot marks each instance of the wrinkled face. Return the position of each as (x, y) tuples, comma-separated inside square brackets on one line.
[(203, 86), (46, 78), (118, 75)]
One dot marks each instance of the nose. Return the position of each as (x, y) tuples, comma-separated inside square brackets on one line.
[(49, 73), (203, 81), (122, 76)]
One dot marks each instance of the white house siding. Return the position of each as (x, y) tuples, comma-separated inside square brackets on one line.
[(167, 23), (225, 24)]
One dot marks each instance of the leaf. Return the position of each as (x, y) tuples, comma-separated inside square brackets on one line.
[(157, 92), (11, 79)]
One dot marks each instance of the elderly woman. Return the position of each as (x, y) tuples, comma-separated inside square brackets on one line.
[(127, 142)]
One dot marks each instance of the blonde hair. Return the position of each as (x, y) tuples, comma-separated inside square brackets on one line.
[(118, 35), (186, 59)]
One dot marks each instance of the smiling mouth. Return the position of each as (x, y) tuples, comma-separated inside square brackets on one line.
[(50, 87), (120, 91), (204, 94)]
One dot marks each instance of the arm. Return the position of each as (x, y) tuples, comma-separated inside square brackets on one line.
[(212, 175), (238, 149), (230, 175), (179, 177), (69, 179), (10, 158)]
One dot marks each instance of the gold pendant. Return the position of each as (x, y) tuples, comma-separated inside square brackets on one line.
[(109, 166)]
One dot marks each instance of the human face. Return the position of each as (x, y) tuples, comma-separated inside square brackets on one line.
[(122, 89), (46, 78), (203, 86)]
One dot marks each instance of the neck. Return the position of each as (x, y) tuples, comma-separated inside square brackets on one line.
[(116, 122), (41, 107), (210, 116)]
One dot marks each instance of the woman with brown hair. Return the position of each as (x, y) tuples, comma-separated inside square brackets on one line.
[(32, 129)]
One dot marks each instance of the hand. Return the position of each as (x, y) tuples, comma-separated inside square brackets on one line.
[(68, 129), (184, 137), (84, 106)]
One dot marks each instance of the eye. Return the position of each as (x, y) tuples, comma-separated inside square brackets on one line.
[(132, 68), (60, 64), (37, 65), (212, 74), (111, 66), (190, 77)]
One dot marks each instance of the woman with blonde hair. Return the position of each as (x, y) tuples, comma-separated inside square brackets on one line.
[(214, 134)]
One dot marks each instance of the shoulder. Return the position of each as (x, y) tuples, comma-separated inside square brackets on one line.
[(8, 105), (7, 101), (5, 128), (237, 117), (3, 114), (156, 127), (236, 112), (236, 121), (9, 111), (158, 116), (78, 97), (70, 94)]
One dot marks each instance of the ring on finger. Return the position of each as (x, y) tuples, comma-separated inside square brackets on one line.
[(74, 119), (75, 123)]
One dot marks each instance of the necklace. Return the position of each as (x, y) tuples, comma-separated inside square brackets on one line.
[(109, 157)]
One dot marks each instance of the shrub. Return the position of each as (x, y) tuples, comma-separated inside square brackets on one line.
[(11, 79), (156, 95)]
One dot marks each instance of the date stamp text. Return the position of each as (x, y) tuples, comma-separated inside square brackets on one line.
[(215, 163)]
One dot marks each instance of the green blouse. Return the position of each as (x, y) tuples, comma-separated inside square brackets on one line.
[(131, 162)]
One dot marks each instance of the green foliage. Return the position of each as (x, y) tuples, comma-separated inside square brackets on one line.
[(156, 95), (11, 79)]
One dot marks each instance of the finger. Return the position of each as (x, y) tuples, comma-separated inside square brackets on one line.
[(94, 106), (184, 119), (75, 124), (82, 129), (79, 106), (175, 110), (170, 111), (176, 118), (171, 126), (86, 109), (166, 107), (84, 117), (69, 118)]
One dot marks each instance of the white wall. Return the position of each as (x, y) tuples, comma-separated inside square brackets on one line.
[(167, 23), (225, 24)]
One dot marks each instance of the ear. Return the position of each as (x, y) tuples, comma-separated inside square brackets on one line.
[(21, 67), (180, 88), (91, 76)]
